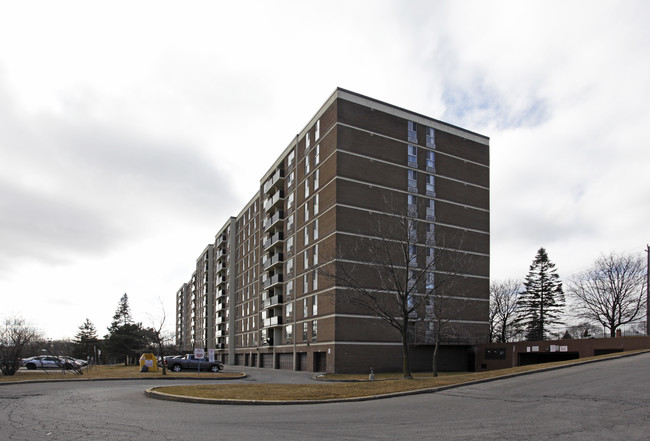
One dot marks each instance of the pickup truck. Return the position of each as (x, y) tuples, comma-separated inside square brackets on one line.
[(178, 363)]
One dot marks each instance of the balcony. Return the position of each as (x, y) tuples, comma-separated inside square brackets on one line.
[(277, 237), (272, 281), (277, 259), (221, 239), (220, 293), (277, 176), (220, 320), (221, 253), (220, 280), (276, 199), (271, 221), (221, 307), (272, 301), (273, 321), (221, 266)]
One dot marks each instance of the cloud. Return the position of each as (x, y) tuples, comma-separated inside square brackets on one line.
[(78, 186)]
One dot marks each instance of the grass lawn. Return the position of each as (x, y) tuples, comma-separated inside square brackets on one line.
[(331, 388), (327, 390), (105, 372)]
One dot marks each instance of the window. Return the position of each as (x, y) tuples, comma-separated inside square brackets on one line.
[(290, 201), (306, 164), (412, 208), (290, 222), (413, 231), (410, 281), (316, 173), (289, 244), (288, 310), (316, 204), (306, 211), (431, 161), (305, 283), (289, 290), (412, 180), (290, 265), (291, 179), (314, 330), (307, 142), (306, 188), (314, 305), (431, 212), (317, 154), (305, 329), (288, 333), (431, 137), (430, 185), (430, 256), (305, 261), (314, 284), (306, 234), (412, 156), (412, 131), (316, 254), (292, 157), (317, 130), (316, 229), (413, 254), (431, 235), (305, 308)]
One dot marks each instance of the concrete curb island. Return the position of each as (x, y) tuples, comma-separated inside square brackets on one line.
[(152, 393)]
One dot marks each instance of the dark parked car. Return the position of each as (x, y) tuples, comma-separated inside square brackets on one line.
[(177, 364)]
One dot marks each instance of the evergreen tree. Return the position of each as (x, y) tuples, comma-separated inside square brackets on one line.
[(542, 301), (125, 338), (122, 315), (85, 340)]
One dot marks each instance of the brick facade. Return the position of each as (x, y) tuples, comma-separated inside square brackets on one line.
[(258, 294)]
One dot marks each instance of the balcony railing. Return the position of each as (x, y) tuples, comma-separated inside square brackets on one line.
[(277, 197), (272, 241), (272, 301), (277, 176), (270, 221), (273, 321), (272, 281), (272, 261)]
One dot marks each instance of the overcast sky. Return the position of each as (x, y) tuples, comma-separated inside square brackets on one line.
[(131, 131)]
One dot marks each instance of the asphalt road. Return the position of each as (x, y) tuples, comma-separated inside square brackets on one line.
[(609, 400)]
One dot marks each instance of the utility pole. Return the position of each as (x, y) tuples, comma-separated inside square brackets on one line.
[(647, 292)]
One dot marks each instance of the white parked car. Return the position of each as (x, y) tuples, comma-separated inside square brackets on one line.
[(51, 362)]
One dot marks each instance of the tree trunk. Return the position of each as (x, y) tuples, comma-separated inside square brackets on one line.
[(435, 359), (406, 365)]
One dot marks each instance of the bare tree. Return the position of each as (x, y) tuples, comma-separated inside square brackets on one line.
[(402, 275), (160, 336), (15, 337), (612, 291), (504, 295)]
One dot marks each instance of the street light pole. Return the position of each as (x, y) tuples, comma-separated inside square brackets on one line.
[(647, 292)]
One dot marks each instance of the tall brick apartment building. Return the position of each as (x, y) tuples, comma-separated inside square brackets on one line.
[(257, 294)]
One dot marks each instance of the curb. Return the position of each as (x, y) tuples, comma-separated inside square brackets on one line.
[(152, 393)]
